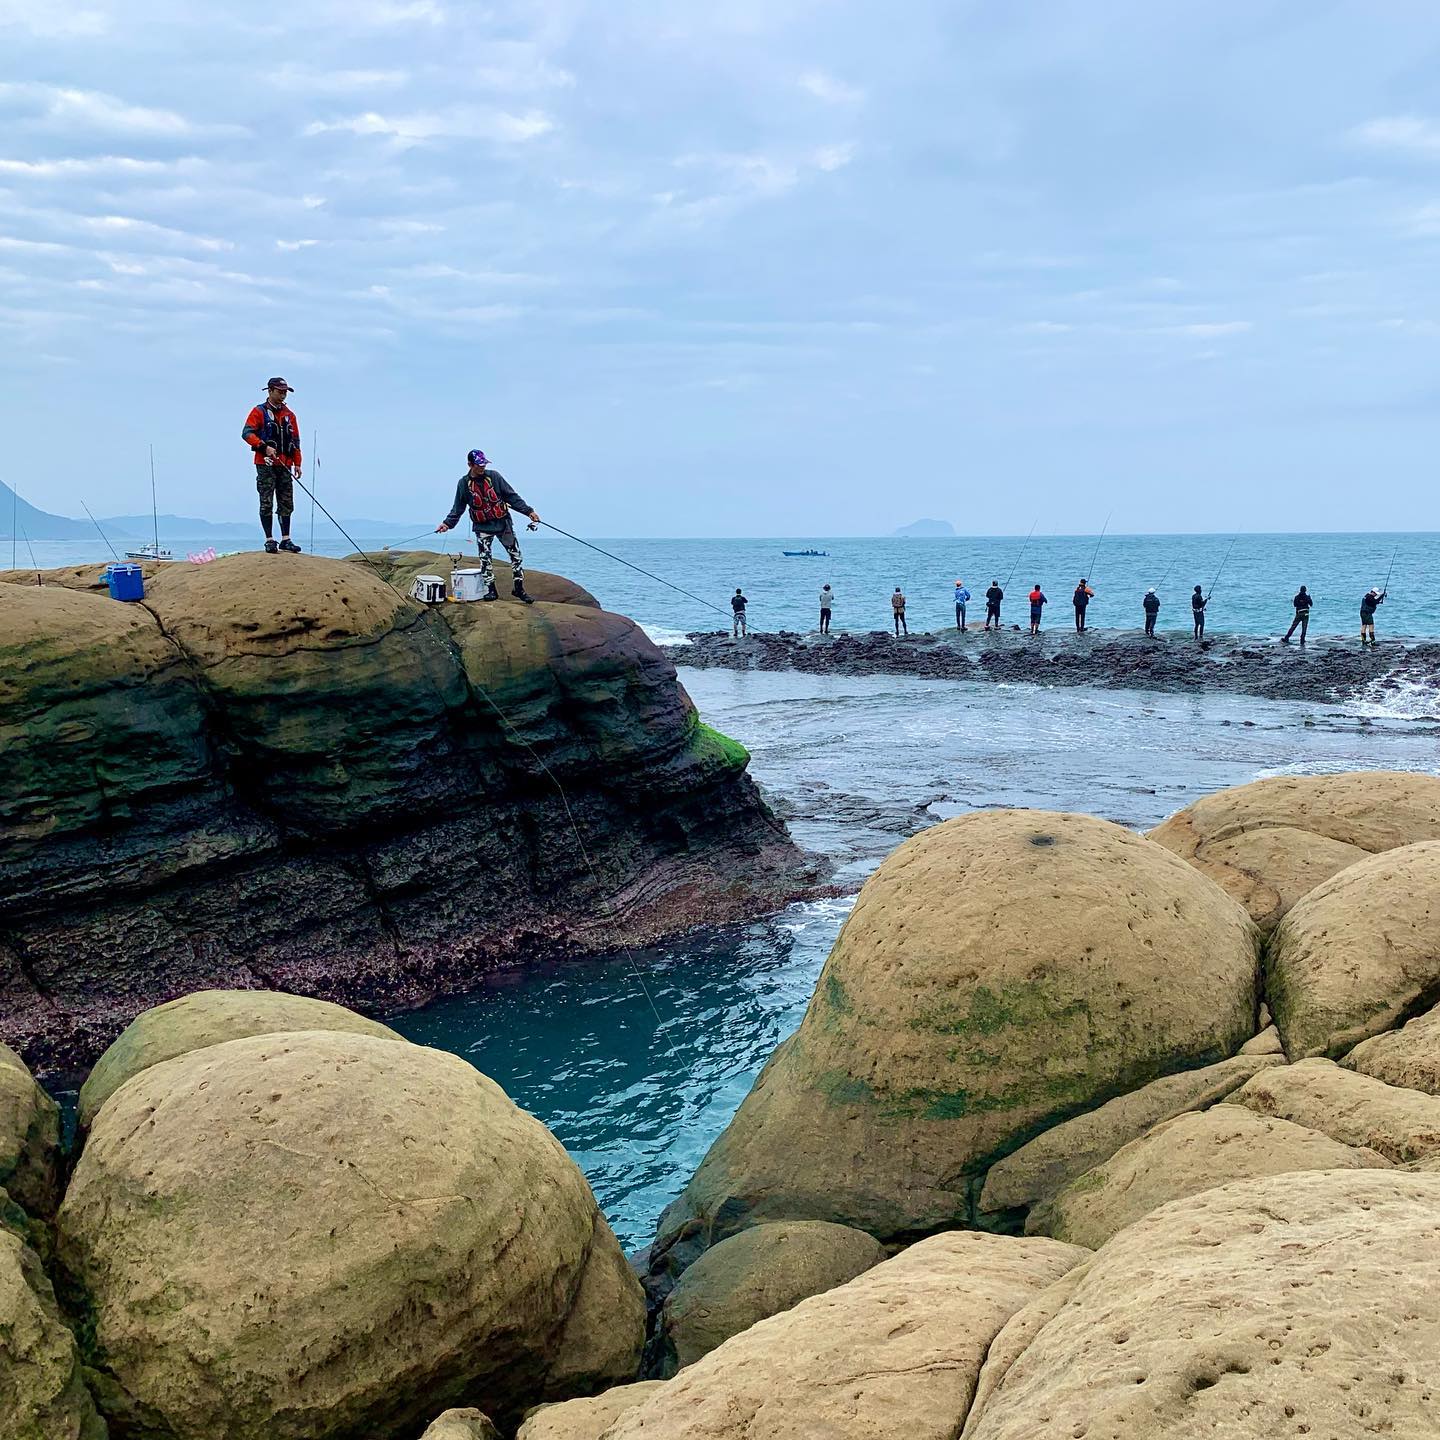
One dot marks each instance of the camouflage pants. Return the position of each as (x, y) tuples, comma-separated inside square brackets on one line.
[(512, 548), (277, 492)]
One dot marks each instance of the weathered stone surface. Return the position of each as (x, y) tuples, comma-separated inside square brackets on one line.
[(587, 1419), (317, 1234), (1050, 1161), (209, 1017), (1267, 1042), (895, 1352), (1182, 1157), (29, 1139), (954, 1019), (463, 1424), (757, 1273), (42, 1392), (245, 782), (1303, 1304), (1409, 1056), (400, 567), (1358, 953), (1270, 842), (1402, 1125)]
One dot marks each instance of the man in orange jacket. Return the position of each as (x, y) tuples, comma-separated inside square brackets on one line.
[(273, 433)]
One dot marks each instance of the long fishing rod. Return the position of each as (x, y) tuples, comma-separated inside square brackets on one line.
[(409, 540), (1021, 555), (659, 579), (315, 462), (154, 504), (31, 549), (1223, 559), (14, 521), (1090, 573), (96, 524), (1385, 588), (505, 721)]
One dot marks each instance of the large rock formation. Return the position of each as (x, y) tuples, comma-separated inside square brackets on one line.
[(316, 1234), (956, 1018), (29, 1140), (588, 1418), (1305, 1304), (1270, 842), (760, 1272), (893, 1353), (1409, 1056), (280, 772), (1359, 953)]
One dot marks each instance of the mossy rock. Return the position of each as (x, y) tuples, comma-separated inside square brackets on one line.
[(29, 1141)]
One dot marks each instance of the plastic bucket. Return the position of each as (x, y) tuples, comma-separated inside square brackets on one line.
[(126, 582), (467, 584)]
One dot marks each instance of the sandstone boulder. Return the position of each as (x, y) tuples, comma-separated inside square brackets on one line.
[(955, 1018), (585, 1419), (400, 567), (757, 1273), (464, 1424), (317, 1234), (1052, 1160), (1302, 1304), (1182, 1157), (1408, 1057), (1267, 1042), (42, 1392), (895, 1352), (29, 1139), (1357, 953), (208, 1017), (1270, 842), (1402, 1125)]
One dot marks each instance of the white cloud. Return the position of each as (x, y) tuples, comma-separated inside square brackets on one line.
[(336, 82), (58, 108), (1413, 134), (109, 165), (1425, 221), (382, 13), (1209, 330), (50, 20), (832, 91), (518, 66), (460, 122), (295, 244), (834, 157)]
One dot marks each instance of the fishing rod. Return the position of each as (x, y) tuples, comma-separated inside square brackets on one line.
[(657, 578), (315, 461), (505, 721), (1090, 574), (154, 504), (1223, 559), (1021, 555), (1385, 588), (14, 521), (408, 540), (96, 524), (33, 564)]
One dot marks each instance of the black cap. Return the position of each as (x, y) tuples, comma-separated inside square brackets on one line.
[(278, 382)]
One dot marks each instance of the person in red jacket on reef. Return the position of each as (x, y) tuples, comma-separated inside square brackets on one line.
[(273, 433), (490, 498)]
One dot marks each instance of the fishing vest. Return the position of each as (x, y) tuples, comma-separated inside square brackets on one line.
[(485, 501), (277, 430)]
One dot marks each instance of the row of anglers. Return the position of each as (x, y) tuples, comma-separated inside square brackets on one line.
[(1081, 597)]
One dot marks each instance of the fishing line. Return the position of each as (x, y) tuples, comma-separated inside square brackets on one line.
[(96, 524), (408, 540), (31, 549), (505, 721), (1021, 555), (659, 579), (1216, 580), (1385, 588), (315, 461), (14, 521)]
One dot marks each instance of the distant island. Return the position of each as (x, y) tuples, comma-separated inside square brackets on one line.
[(927, 527)]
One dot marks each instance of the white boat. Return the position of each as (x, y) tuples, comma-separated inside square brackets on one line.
[(149, 552)]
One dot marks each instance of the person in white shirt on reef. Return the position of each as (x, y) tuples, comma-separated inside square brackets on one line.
[(827, 603)]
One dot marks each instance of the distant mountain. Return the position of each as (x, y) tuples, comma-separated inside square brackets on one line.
[(927, 527), (26, 522)]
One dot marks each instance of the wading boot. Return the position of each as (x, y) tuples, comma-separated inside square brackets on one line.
[(518, 591), (491, 593), (271, 547), (289, 546)]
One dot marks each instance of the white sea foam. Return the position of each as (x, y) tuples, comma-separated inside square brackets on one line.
[(662, 635), (1402, 700)]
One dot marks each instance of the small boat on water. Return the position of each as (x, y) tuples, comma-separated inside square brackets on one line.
[(149, 552), (807, 553)]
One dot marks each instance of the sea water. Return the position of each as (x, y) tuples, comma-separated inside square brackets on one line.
[(855, 765)]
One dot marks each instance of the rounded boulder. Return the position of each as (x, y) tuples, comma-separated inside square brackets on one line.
[(757, 1273), (210, 1017), (1409, 1056), (314, 1234), (1269, 842), (999, 973), (1355, 955), (29, 1139)]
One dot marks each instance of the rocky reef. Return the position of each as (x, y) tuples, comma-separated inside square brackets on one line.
[(281, 772)]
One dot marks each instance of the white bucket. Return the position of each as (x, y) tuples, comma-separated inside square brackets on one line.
[(428, 590), (468, 584)]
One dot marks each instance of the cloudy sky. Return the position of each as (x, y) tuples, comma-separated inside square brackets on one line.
[(756, 267)]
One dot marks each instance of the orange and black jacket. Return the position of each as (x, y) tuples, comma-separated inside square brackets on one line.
[(266, 425)]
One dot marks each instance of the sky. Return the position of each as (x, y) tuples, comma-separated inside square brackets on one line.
[(756, 267)]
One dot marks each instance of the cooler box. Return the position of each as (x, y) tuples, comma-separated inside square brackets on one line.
[(468, 584), (126, 582)]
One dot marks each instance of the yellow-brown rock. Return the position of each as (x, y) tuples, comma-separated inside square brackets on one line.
[(317, 1234), (588, 1418), (1409, 1056), (1269, 842), (209, 1017), (1355, 955), (956, 1017), (1182, 1157), (29, 1139), (1301, 1304), (895, 1353), (462, 1424), (753, 1275)]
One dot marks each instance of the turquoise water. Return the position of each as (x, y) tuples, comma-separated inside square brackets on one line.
[(1253, 596)]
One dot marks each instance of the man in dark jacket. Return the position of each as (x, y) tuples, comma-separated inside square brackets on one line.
[(1152, 609), (1082, 597), (490, 498), (1303, 603), (993, 596), (273, 433)]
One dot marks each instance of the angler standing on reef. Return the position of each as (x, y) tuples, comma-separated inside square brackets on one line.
[(962, 599), (1302, 603), (1368, 604), (1198, 601), (897, 604), (490, 498), (1082, 597), (1038, 601), (1152, 609), (273, 433), (993, 596), (738, 602)]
